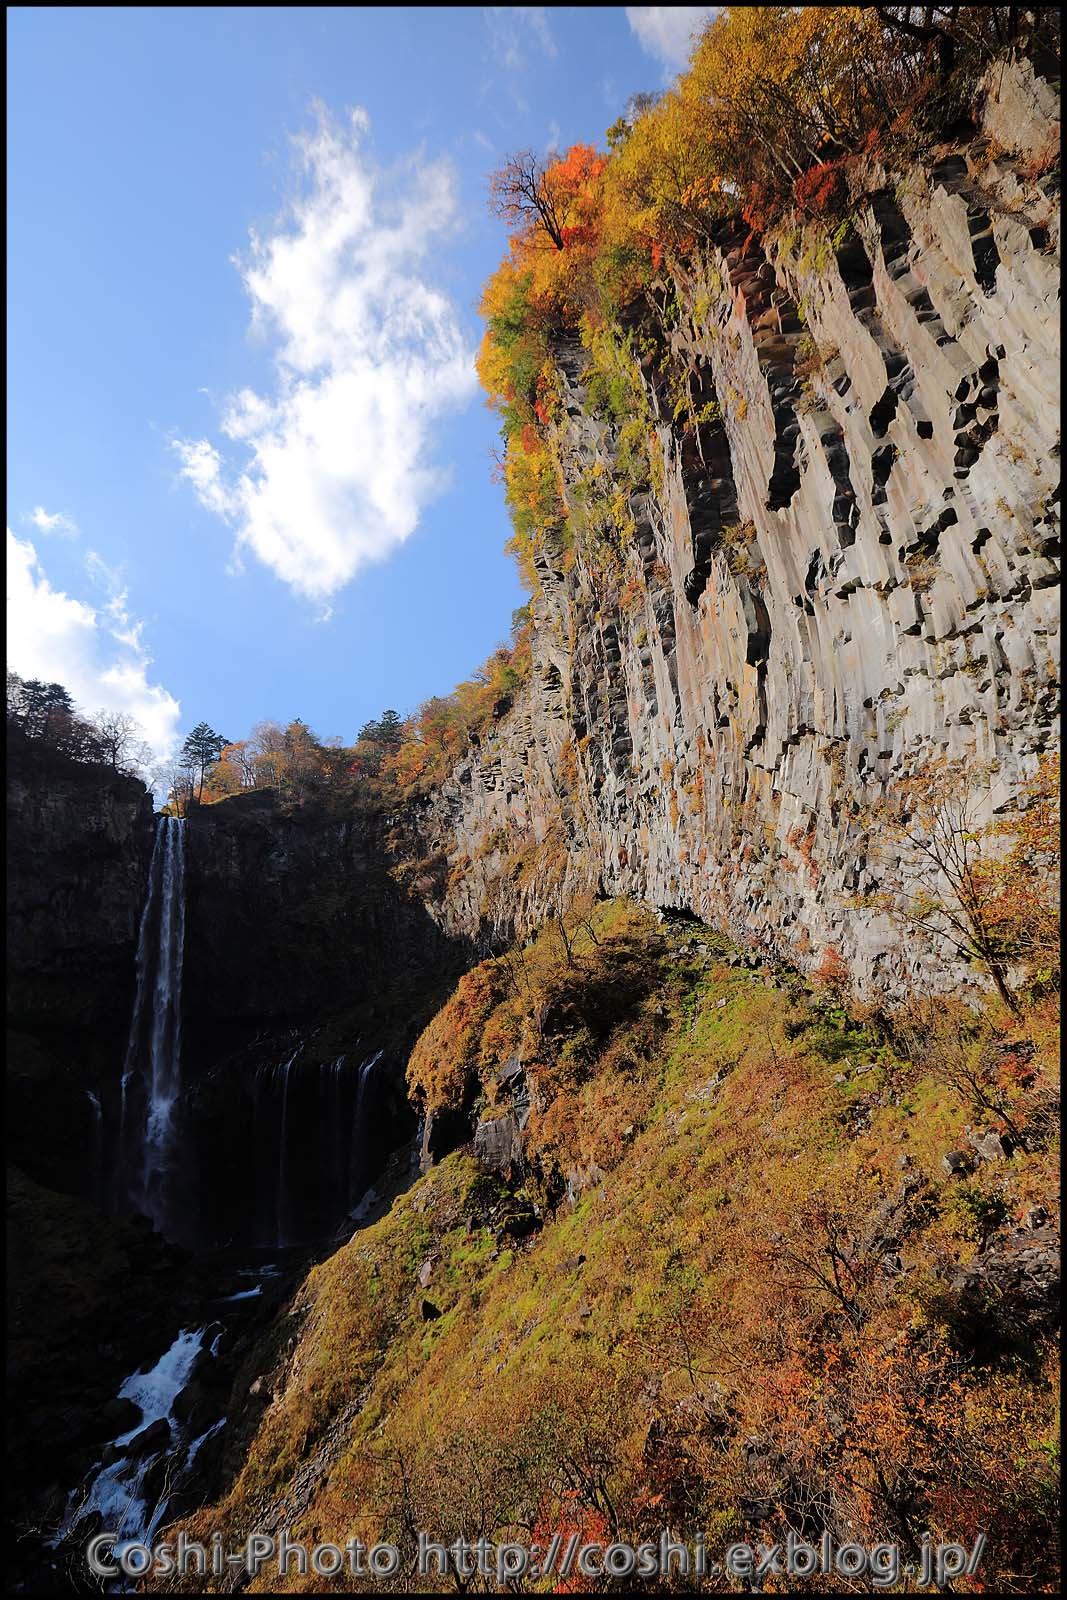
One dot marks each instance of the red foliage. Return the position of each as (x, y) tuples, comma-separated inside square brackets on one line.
[(582, 233), (822, 191), (762, 208), (575, 1522), (832, 973)]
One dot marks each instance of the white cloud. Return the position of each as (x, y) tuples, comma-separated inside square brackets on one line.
[(202, 465), (666, 32), (98, 654), (124, 628), (56, 522), (510, 28), (332, 470)]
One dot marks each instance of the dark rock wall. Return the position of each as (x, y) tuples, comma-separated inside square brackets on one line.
[(307, 956), (79, 841), (291, 914)]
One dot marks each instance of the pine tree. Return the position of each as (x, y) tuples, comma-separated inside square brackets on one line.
[(201, 750)]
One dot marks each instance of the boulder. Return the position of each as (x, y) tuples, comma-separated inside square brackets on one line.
[(1014, 1283), (117, 1417), (150, 1440), (989, 1146), (498, 1145), (957, 1163)]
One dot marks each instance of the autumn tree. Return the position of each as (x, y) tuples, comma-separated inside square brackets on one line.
[(917, 23), (945, 875), (1021, 881), (307, 766), (242, 755), (638, 106), (522, 194), (996, 1075), (121, 740), (954, 36), (268, 754), (229, 775)]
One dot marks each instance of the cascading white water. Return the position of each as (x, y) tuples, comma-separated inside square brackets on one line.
[(283, 1206), (96, 1149), (331, 1101), (151, 1078), (355, 1165), (118, 1492), (311, 1137), (166, 1040)]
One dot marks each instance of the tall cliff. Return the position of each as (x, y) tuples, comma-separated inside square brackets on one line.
[(845, 572), (691, 1243), (78, 846), (838, 567)]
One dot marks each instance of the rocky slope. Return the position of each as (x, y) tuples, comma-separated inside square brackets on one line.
[(615, 1309), (849, 572)]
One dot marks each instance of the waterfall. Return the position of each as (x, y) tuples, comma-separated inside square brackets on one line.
[(126, 1495), (310, 1141), (151, 1078), (333, 1177), (96, 1151), (357, 1165), (283, 1206)]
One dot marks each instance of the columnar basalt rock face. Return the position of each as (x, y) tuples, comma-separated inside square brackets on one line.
[(851, 572)]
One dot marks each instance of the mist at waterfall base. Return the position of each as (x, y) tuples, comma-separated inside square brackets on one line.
[(272, 1148)]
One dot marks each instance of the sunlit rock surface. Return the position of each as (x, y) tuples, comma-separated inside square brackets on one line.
[(851, 575)]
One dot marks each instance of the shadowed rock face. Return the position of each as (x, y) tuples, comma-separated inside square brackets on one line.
[(292, 914), (79, 840), (305, 962), (891, 599), (79, 843), (298, 944)]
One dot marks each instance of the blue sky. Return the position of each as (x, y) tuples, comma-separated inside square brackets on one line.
[(248, 463)]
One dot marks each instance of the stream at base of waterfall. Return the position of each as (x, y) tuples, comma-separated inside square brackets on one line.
[(174, 1408)]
